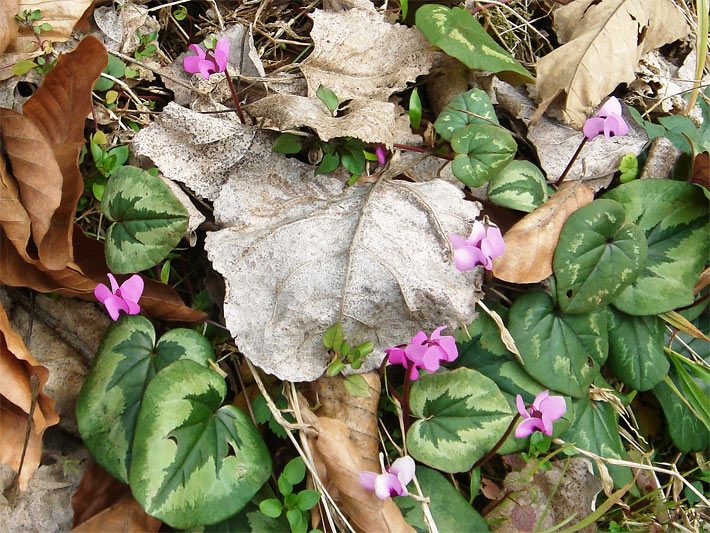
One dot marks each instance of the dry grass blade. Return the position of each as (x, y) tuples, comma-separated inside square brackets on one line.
[(17, 367), (32, 182), (59, 109), (530, 244), (335, 454)]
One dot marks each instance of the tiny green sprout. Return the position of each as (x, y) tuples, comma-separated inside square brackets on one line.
[(329, 99), (180, 13), (343, 355), (165, 272), (415, 110), (296, 504)]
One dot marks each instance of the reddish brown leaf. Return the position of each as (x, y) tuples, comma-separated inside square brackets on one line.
[(81, 277), (97, 491), (530, 244), (8, 26), (701, 170), (59, 109), (126, 516), (35, 185), (17, 366)]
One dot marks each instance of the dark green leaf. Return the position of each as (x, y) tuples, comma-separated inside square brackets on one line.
[(295, 471), (597, 257), (307, 499), (356, 386), (520, 185), (288, 143), (328, 97), (285, 486), (333, 336), (328, 164), (483, 150), (271, 508), (471, 107), (415, 110)]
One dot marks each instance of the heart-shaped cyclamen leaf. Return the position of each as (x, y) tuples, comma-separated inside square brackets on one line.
[(148, 220), (471, 107), (194, 462), (597, 257), (674, 217), (636, 349), (111, 397), (462, 415), (483, 150), (520, 185), (460, 35), (563, 352)]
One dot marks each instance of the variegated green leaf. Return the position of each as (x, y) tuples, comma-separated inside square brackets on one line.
[(462, 415), (460, 35), (636, 349), (483, 150), (450, 510), (596, 429), (674, 217), (563, 352), (520, 185), (194, 462), (111, 397), (597, 257), (471, 107), (148, 221)]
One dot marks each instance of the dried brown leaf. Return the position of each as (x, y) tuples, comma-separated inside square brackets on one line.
[(348, 55), (8, 26), (30, 195), (336, 455), (62, 15), (98, 490), (605, 39), (17, 365), (530, 244), (81, 277), (358, 414), (126, 516), (59, 109)]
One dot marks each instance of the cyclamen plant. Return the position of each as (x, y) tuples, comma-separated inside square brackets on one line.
[(540, 415), (483, 245), (120, 299), (392, 481), (424, 352)]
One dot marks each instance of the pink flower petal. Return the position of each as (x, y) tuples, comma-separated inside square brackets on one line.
[(520, 404), (527, 427), (386, 485), (539, 399), (367, 480), (403, 468), (114, 283), (191, 64), (432, 358), (221, 54), (437, 332), (199, 51), (468, 258), (553, 406), (396, 356), (546, 424), (494, 242), (132, 288), (102, 292), (478, 233), (413, 373), (458, 242), (615, 126), (593, 127), (132, 307), (114, 305), (206, 68), (415, 353), (611, 107), (381, 154)]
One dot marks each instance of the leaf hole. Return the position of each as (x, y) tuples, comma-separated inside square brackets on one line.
[(569, 294), (26, 89)]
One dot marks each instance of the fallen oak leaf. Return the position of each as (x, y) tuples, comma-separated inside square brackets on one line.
[(8, 25), (81, 277), (126, 516), (530, 243), (17, 367), (97, 490), (605, 39)]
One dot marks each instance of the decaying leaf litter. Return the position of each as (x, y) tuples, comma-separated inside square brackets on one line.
[(354, 229)]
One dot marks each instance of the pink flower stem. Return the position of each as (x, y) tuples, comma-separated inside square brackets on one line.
[(483, 460), (571, 162), (235, 98), (405, 396), (421, 150)]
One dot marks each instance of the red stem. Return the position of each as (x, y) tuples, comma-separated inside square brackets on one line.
[(422, 151), (235, 98), (571, 162)]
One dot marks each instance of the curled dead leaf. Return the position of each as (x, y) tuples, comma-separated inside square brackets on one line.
[(17, 366), (341, 463), (126, 516), (530, 244), (8, 26)]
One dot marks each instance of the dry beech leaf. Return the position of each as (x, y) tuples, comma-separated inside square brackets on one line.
[(8, 25), (605, 39), (122, 28), (369, 120), (555, 143), (377, 258), (348, 55), (17, 365), (568, 489), (59, 109), (340, 464), (530, 243), (358, 414), (81, 277), (62, 15), (126, 516)]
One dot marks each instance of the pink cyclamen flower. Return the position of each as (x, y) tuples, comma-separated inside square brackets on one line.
[(381, 154), (124, 298), (484, 244), (424, 352), (207, 62), (608, 121), (392, 481), (540, 415)]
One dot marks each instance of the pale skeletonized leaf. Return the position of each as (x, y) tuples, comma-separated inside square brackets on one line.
[(604, 41), (377, 258), (356, 53), (369, 120)]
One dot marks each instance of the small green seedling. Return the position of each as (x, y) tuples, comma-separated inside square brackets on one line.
[(296, 505), (329, 99), (147, 45), (344, 355)]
